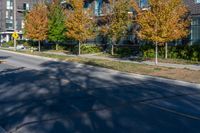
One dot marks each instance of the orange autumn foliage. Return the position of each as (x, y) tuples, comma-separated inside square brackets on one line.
[(80, 23), (162, 21), (36, 23)]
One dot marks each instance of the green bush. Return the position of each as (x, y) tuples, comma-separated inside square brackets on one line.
[(59, 47), (161, 51), (26, 44), (186, 52), (195, 56), (172, 52), (21, 41), (87, 49), (10, 43), (4, 45), (63, 47), (149, 53), (172, 55), (123, 51), (146, 47)]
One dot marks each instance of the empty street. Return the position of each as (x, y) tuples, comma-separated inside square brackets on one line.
[(41, 95)]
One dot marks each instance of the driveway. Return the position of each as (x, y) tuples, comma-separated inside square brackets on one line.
[(44, 96)]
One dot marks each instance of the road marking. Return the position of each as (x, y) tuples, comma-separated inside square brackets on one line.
[(141, 102), (173, 111)]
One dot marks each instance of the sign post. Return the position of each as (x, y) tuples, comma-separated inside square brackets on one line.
[(14, 14), (15, 35)]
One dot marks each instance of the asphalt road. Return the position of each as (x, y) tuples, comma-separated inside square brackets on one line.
[(43, 96)]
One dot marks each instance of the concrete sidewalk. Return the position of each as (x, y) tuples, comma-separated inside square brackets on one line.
[(191, 67), (93, 56)]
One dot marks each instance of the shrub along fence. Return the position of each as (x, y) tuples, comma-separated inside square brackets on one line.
[(126, 50), (88, 49), (187, 52), (8, 44), (73, 48)]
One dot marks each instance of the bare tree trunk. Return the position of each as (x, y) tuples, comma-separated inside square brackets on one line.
[(156, 56), (166, 50), (112, 49), (39, 46), (79, 48), (56, 46)]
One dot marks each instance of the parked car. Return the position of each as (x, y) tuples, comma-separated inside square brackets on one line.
[(20, 46)]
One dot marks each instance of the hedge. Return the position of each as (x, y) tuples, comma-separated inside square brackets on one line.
[(187, 52)]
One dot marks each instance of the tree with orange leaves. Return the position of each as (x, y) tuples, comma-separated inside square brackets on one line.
[(117, 21), (79, 23), (36, 23), (163, 21)]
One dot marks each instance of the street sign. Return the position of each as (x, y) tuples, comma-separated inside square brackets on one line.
[(15, 35)]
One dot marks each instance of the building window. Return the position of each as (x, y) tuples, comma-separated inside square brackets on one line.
[(86, 4), (197, 1), (143, 3), (9, 24), (195, 30), (26, 6), (98, 7), (9, 4)]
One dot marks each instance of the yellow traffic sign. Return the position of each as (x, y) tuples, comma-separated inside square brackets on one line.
[(15, 35)]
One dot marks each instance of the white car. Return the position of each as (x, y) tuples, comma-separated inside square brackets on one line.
[(20, 47)]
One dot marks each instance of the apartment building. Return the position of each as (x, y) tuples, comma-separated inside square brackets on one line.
[(194, 10), (194, 7), (7, 6), (7, 17)]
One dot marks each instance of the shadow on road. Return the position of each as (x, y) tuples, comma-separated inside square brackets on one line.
[(69, 97), (4, 57)]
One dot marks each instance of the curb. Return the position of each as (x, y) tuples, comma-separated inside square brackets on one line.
[(137, 76), (165, 80), (30, 55), (147, 77)]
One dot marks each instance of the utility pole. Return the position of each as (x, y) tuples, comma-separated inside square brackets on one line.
[(15, 22)]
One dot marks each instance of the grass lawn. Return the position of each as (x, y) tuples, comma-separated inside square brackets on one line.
[(171, 73), (162, 60)]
